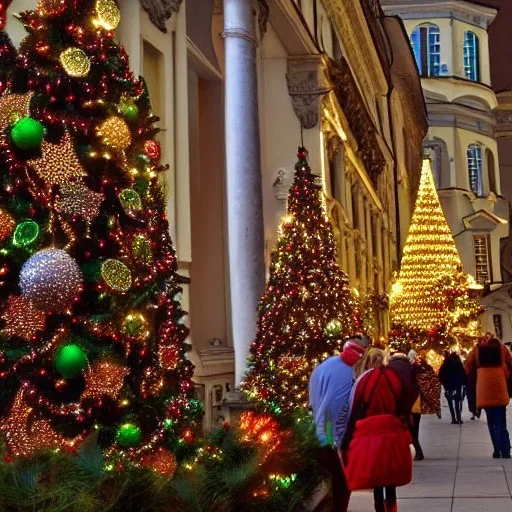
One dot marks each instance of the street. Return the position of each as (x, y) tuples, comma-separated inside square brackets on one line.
[(458, 473)]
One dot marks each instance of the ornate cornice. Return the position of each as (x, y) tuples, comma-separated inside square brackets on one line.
[(360, 122), (160, 11)]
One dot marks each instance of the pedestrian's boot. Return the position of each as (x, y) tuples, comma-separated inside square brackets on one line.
[(458, 413), (390, 506), (379, 506), (419, 451), (450, 405)]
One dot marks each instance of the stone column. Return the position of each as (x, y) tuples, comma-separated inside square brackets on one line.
[(246, 247)]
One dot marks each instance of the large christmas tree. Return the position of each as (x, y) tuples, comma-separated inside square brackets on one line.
[(432, 297), (93, 339), (307, 308)]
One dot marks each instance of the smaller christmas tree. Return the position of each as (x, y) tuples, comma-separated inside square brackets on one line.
[(307, 308), (432, 298)]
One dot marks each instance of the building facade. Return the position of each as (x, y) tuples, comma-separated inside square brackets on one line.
[(451, 48), (238, 85)]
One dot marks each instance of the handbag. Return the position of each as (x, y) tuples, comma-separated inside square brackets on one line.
[(379, 454)]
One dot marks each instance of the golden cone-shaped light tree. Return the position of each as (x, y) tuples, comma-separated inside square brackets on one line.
[(432, 293)]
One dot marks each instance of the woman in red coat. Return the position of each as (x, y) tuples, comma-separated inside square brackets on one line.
[(379, 391)]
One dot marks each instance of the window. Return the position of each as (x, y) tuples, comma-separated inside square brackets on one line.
[(481, 249), (355, 207), (426, 44), (337, 172), (491, 170), (475, 169), (471, 56)]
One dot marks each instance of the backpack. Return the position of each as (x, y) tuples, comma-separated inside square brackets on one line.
[(378, 454)]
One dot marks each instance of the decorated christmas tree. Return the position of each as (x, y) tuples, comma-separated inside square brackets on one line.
[(92, 337), (307, 308), (432, 299)]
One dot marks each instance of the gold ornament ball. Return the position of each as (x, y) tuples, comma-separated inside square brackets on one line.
[(117, 275), (115, 133), (75, 62), (142, 251), (108, 14), (334, 328), (7, 225), (161, 461), (136, 326)]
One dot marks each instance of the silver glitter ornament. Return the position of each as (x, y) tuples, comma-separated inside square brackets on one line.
[(51, 279)]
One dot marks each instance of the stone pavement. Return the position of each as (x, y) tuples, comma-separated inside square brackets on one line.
[(458, 473)]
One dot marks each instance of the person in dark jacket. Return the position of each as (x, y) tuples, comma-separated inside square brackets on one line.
[(402, 366), (453, 378)]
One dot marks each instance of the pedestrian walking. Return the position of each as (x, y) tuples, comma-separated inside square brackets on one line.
[(454, 380), (491, 364), (329, 392), (429, 397), (376, 443), (402, 366)]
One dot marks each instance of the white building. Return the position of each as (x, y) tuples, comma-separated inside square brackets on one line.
[(451, 47)]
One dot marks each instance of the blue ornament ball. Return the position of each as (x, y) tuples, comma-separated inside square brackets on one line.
[(51, 279)]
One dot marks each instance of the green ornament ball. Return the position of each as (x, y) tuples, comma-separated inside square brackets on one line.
[(128, 435), (26, 233), (70, 361), (28, 133), (130, 111), (333, 329)]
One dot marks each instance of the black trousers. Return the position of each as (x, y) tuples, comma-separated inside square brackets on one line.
[(380, 498), (497, 423), (339, 488), (416, 418), (454, 397)]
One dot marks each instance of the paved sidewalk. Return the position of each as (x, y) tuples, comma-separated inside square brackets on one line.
[(458, 473)]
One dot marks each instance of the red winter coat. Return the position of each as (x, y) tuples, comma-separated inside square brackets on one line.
[(368, 400)]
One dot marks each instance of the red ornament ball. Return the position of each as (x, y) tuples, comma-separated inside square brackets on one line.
[(153, 149), (188, 436)]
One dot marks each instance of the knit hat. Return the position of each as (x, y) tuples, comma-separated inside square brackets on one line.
[(352, 352)]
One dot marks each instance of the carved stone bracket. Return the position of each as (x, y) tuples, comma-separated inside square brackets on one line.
[(263, 14), (306, 84), (361, 125), (160, 11)]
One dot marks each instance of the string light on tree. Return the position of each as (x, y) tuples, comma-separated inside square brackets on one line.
[(307, 308), (95, 343), (423, 309)]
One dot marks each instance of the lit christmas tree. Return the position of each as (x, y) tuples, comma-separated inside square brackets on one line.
[(307, 309), (432, 299), (92, 337)]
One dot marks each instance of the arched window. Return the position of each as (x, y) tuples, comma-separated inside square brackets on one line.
[(475, 169), (471, 56), (427, 49), (491, 170)]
